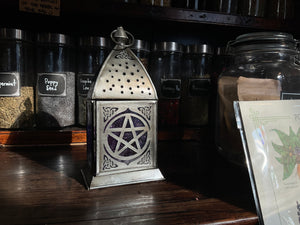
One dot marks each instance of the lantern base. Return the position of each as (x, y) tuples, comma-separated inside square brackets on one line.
[(102, 181)]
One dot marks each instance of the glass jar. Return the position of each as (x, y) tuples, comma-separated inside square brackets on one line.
[(190, 4), (93, 51), (16, 79), (165, 72), (264, 68), (196, 85), (55, 88), (164, 3), (141, 49), (253, 8), (226, 6), (281, 9), (221, 60)]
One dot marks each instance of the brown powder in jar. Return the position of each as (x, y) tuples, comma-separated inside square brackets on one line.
[(17, 112)]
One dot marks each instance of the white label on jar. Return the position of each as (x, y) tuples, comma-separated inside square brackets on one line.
[(9, 84), (51, 84)]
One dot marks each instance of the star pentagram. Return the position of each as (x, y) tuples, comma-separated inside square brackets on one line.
[(127, 135)]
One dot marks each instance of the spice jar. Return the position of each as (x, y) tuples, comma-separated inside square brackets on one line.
[(196, 85), (221, 60), (190, 4), (281, 9), (253, 8), (226, 6), (16, 79), (164, 3), (55, 88), (93, 50), (165, 71), (264, 68), (141, 49)]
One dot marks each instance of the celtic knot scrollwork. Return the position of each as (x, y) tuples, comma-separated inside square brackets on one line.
[(123, 55), (146, 111), (108, 163), (146, 159), (108, 112)]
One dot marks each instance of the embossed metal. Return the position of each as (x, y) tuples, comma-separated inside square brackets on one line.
[(121, 120)]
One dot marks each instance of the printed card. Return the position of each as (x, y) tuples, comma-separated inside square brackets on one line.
[(270, 132)]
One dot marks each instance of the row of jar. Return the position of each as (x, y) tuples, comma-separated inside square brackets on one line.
[(44, 83), (260, 8)]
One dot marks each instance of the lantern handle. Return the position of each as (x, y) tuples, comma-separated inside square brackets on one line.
[(121, 42)]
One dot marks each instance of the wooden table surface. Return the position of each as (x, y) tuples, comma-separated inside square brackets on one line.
[(43, 185)]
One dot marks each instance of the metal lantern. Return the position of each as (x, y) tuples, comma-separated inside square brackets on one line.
[(121, 120)]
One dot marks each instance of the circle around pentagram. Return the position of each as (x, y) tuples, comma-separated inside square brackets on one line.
[(126, 136)]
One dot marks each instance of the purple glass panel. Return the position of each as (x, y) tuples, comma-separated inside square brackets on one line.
[(142, 140), (137, 122), (127, 152), (118, 123), (112, 143), (127, 136)]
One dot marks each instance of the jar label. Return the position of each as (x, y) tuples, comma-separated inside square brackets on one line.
[(84, 83), (9, 84), (287, 96), (51, 84), (170, 88), (199, 87)]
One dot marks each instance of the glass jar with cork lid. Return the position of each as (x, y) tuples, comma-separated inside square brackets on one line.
[(265, 68)]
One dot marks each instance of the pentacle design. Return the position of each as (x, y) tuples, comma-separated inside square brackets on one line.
[(126, 136)]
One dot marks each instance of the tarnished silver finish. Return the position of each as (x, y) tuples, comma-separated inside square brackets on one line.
[(121, 120)]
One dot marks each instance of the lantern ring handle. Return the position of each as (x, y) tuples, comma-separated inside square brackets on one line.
[(131, 38)]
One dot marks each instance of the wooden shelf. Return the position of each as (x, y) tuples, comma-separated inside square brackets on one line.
[(156, 13), (43, 185), (77, 136), (97, 15), (43, 137)]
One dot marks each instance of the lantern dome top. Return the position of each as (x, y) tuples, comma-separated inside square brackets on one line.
[(122, 75)]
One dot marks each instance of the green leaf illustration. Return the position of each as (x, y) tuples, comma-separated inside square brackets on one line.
[(279, 149), (287, 151)]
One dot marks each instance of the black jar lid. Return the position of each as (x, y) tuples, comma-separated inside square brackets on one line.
[(199, 49), (262, 41), (141, 45), (15, 34), (167, 47), (54, 38), (95, 41)]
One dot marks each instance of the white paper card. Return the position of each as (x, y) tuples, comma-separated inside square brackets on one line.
[(270, 131)]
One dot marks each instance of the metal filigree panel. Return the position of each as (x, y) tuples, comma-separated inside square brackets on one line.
[(126, 135)]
